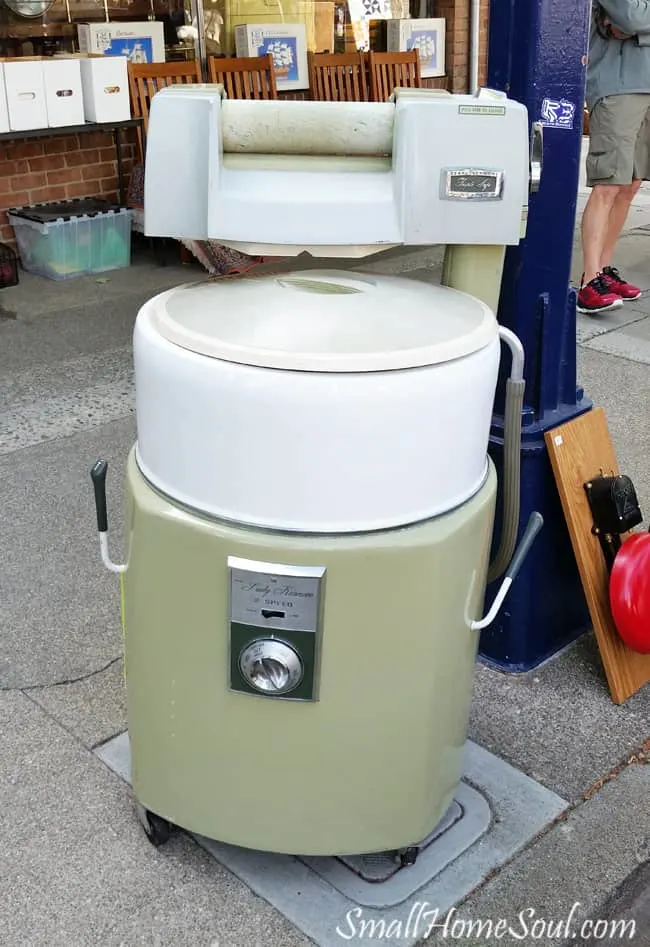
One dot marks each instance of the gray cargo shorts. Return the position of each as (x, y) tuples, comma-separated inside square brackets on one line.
[(619, 140)]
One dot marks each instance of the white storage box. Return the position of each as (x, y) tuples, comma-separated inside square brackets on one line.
[(287, 44), (105, 85), (137, 42), (25, 86), (63, 93), (4, 111), (427, 36)]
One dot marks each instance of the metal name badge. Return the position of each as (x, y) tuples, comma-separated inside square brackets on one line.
[(472, 184), (275, 596)]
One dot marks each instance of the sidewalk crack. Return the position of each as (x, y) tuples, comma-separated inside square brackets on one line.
[(29, 688)]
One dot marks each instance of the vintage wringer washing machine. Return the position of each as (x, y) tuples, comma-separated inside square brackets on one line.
[(310, 499)]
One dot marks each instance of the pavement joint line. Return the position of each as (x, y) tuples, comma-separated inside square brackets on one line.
[(633, 322), (639, 757), (636, 231), (103, 742), (72, 680), (623, 358), (55, 720)]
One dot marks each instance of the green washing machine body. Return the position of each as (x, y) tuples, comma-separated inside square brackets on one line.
[(301, 694)]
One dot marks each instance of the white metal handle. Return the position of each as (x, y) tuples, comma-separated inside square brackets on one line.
[(535, 523)]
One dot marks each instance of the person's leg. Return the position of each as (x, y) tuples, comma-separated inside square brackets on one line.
[(595, 227), (615, 125), (641, 172), (615, 281), (617, 217)]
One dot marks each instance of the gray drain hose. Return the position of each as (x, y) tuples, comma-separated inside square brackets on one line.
[(515, 387)]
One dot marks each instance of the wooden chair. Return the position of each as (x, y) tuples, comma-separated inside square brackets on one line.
[(145, 79), (338, 77), (389, 71), (246, 78)]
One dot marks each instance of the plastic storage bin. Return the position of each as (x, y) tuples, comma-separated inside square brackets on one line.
[(75, 238)]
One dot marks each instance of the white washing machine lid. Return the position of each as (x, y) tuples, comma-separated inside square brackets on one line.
[(325, 321)]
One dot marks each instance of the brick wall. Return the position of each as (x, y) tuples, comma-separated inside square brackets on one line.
[(34, 171)]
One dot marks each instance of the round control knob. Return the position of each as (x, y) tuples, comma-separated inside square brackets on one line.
[(271, 666)]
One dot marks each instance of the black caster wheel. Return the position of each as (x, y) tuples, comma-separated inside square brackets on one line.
[(157, 829), (408, 856)]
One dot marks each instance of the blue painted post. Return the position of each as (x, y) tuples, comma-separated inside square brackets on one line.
[(537, 54)]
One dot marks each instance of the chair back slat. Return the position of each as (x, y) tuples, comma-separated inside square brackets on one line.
[(251, 77), (390, 71), (338, 77)]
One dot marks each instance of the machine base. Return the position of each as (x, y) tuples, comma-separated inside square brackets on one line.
[(369, 766), (465, 821), (317, 895)]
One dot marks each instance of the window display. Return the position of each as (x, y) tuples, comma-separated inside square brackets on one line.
[(150, 31), (46, 27)]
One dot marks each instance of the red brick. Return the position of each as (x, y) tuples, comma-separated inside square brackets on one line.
[(76, 159), (47, 163), (67, 176), (15, 199), (106, 154), (84, 189), (109, 185), (28, 181), (98, 171), (96, 140), (59, 144), (45, 195), (10, 168), (24, 149)]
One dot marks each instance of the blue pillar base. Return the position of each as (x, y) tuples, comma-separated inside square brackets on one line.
[(544, 67), (545, 609)]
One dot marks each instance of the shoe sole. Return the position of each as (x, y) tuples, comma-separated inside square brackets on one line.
[(608, 308)]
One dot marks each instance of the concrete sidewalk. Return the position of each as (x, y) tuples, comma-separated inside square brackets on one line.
[(77, 869)]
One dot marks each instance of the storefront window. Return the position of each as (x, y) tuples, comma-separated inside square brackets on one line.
[(47, 27), (198, 28)]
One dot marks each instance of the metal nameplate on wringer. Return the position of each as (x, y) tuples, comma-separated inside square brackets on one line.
[(472, 184), (275, 618)]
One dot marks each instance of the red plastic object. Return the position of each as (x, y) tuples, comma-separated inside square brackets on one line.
[(629, 592), (8, 267)]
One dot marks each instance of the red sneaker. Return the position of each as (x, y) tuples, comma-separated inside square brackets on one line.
[(618, 285), (597, 296)]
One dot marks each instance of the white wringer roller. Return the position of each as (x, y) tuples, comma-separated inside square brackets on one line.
[(310, 498)]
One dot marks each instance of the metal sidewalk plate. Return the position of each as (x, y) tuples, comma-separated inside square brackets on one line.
[(330, 902), (376, 881), (380, 867)]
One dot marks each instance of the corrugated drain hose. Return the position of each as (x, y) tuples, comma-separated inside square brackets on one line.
[(515, 387)]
